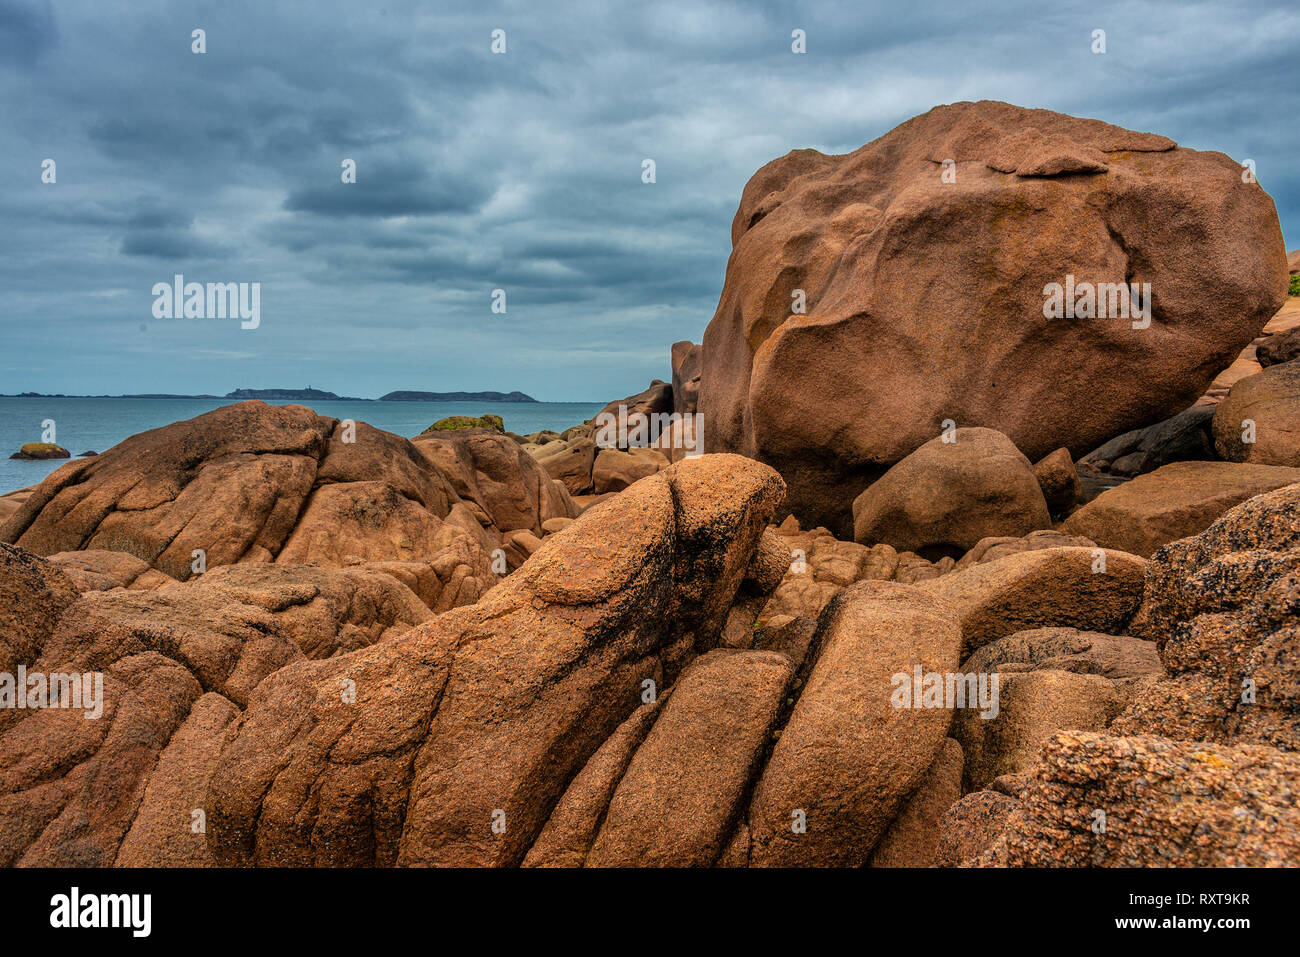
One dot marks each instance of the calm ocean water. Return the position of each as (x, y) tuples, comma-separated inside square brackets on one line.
[(98, 424)]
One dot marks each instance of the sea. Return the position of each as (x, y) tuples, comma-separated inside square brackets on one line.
[(85, 425)]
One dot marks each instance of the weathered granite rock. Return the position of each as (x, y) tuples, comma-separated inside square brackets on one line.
[(924, 294), (951, 492), (847, 759), (1103, 801), (1172, 502)]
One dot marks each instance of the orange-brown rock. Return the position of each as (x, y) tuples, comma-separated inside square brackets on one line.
[(656, 399), (848, 759), (971, 826), (687, 360), (569, 461), (97, 570), (504, 486), (33, 594), (1221, 607), (951, 492), (684, 791), (1259, 421), (992, 549), (1118, 657), (1097, 800), (1059, 481), (464, 733), (252, 482), (615, 470), (913, 838), (1032, 706), (1276, 349), (816, 567), (1088, 588), (176, 664), (1173, 502)]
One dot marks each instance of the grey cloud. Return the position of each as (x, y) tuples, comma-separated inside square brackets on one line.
[(520, 171), (386, 189), (27, 30)]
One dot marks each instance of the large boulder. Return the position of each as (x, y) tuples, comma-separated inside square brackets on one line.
[(231, 482), (657, 399), (924, 293), (1259, 421), (1059, 481), (1172, 502), (1032, 706), (615, 470), (951, 492), (569, 461)]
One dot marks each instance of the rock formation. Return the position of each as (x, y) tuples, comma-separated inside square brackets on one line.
[(871, 297)]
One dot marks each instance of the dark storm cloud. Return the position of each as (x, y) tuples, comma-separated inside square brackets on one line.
[(27, 30), (520, 171), (392, 188)]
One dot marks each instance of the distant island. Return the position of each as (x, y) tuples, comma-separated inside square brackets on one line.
[(308, 394), (456, 397)]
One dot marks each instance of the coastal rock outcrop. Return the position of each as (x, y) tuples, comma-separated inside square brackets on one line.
[(1088, 588), (462, 724), (1200, 769), (1097, 800), (174, 666), (687, 361), (849, 758), (41, 450), (503, 485), (908, 279)]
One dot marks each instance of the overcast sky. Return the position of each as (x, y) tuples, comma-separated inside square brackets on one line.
[(520, 171)]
